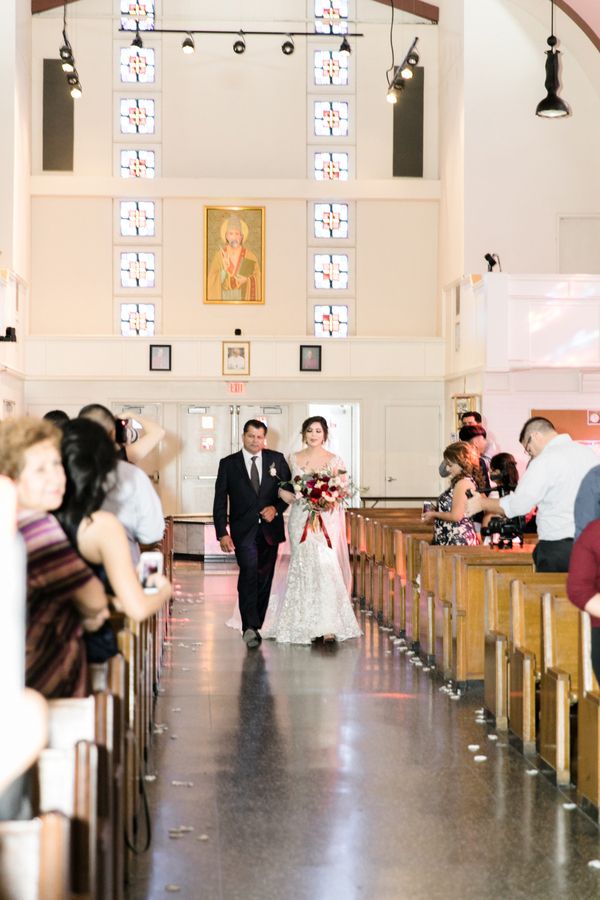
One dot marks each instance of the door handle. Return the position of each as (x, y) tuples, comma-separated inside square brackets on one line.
[(389, 478)]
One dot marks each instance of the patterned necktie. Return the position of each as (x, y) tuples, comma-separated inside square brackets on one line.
[(254, 479)]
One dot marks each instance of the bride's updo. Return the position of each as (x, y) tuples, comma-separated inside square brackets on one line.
[(315, 420)]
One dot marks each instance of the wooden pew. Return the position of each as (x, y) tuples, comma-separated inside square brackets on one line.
[(35, 858), (468, 635), (497, 648), (588, 723), (560, 680)]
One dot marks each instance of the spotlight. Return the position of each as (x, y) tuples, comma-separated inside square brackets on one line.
[(491, 259), (394, 92), (552, 107), (345, 46), (287, 48), (68, 63), (188, 45), (76, 89), (137, 41), (239, 46), (413, 58), (406, 72)]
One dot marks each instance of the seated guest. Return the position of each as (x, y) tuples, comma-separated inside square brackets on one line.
[(583, 583), (89, 461), (63, 596), (451, 524), (132, 498)]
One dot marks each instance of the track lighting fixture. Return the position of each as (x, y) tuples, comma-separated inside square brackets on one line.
[(188, 45), (137, 41), (287, 48), (239, 46), (345, 46), (68, 61), (396, 76), (552, 106)]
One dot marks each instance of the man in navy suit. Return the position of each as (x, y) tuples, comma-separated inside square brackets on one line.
[(249, 480)]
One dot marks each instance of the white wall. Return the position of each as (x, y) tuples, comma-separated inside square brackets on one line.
[(522, 171)]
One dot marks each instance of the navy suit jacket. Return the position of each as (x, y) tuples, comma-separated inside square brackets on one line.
[(233, 485)]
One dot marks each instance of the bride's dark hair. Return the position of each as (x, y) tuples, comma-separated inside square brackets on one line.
[(314, 420)]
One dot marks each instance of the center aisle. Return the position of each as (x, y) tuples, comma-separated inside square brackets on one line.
[(318, 773)]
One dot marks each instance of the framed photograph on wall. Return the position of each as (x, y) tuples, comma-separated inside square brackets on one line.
[(236, 357), (464, 403), (310, 358), (234, 254), (160, 357)]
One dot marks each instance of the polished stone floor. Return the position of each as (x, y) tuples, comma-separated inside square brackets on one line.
[(305, 773)]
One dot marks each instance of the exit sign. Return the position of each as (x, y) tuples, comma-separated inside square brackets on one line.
[(236, 387)]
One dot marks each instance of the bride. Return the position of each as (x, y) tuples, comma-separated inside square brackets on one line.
[(316, 600)]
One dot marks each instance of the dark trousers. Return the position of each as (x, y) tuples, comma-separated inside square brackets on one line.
[(596, 653), (553, 556), (256, 560)]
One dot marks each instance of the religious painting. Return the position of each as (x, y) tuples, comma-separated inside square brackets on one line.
[(234, 254), (464, 403), (236, 357)]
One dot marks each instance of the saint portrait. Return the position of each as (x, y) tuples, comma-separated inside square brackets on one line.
[(234, 255)]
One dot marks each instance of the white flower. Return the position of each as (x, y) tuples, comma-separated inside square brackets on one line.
[(273, 471)]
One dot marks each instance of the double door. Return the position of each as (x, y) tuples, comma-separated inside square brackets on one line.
[(210, 432)]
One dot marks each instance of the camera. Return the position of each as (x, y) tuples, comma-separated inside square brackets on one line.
[(502, 532), (125, 431)]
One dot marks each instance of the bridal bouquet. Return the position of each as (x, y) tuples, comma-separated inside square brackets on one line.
[(320, 492)]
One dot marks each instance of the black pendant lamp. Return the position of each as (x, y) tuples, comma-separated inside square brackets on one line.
[(552, 106)]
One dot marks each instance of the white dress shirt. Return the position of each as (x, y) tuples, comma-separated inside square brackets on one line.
[(551, 482), (248, 460)]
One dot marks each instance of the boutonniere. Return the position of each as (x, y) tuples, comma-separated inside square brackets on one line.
[(273, 471)]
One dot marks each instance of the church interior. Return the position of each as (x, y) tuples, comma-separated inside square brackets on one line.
[(413, 191)]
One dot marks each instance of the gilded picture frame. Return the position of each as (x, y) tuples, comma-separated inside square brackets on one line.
[(464, 403), (236, 358), (234, 255)]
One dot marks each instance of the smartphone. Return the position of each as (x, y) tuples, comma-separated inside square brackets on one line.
[(428, 505), (151, 561)]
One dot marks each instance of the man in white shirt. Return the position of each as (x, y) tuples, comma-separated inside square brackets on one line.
[(551, 481)]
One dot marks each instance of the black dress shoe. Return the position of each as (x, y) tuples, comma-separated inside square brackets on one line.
[(251, 638)]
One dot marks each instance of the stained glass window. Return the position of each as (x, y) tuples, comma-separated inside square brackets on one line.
[(137, 319), (331, 321), (137, 270), (331, 271), (331, 220), (331, 118), (331, 166), (138, 218), (331, 67), (331, 16), (137, 115), (137, 65), (137, 14), (138, 164)]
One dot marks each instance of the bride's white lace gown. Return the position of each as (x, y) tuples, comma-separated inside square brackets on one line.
[(316, 599)]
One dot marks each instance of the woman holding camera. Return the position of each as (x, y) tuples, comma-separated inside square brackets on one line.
[(451, 525), (89, 460)]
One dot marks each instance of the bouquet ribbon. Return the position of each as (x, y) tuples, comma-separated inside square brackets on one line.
[(312, 517)]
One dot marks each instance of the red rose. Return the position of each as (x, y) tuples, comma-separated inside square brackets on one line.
[(315, 494)]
